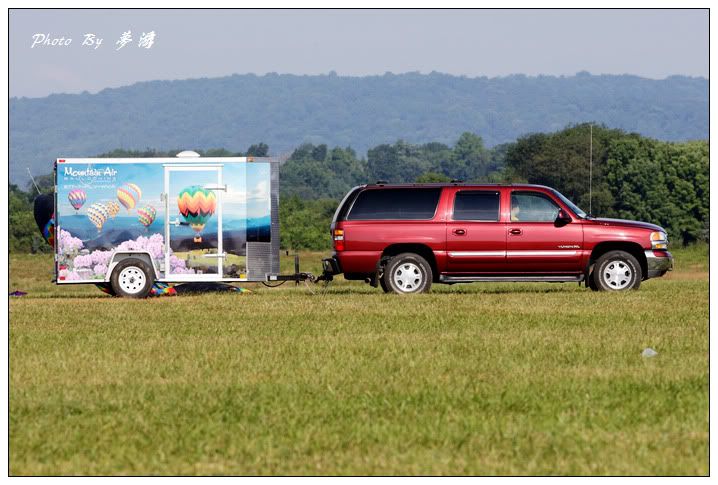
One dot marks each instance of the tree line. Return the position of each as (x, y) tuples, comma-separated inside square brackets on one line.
[(633, 177)]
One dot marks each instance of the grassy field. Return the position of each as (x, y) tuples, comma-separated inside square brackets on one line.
[(470, 379)]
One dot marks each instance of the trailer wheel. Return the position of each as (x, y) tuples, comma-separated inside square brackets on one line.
[(132, 278)]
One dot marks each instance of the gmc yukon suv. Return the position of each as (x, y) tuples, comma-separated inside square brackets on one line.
[(406, 237)]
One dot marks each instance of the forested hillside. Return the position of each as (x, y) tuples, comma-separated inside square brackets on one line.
[(634, 177), (286, 111)]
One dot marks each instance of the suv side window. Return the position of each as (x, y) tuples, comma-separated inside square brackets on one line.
[(532, 207), (396, 204), (476, 205)]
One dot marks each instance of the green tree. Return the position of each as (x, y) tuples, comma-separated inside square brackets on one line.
[(470, 160), (430, 177), (660, 182), (305, 223), (23, 234), (313, 172), (260, 150), (561, 160)]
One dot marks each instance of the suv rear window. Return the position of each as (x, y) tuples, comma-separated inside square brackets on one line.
[(474, 205), (410, 204), (341, 213)]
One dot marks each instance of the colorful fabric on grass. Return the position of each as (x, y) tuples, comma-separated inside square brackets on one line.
[(105, 288), (162, 289), (165, 289)]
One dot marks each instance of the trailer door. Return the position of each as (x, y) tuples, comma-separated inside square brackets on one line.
[(193, 222)]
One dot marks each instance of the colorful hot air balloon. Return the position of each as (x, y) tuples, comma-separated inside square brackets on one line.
[(129, 195), (196, 204), (77, 198), (98, 214), (146, 215), (48, 232), (113, 207), (45, 216)]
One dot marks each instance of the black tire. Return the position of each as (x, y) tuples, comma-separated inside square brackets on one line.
[(382, 283), (132, 278), (407, 273), (617, 271)]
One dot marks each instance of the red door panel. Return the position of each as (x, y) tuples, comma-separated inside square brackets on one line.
[(544, 248), (535, 243), (474, 245)]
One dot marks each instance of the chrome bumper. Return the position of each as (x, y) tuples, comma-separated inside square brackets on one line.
[(657, 266)]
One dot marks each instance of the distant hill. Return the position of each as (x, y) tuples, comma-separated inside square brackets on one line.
[(286, 110)]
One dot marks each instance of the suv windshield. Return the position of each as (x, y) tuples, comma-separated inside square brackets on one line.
[(576, 209)]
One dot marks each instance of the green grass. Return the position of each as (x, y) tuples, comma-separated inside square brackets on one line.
[(470, 379)]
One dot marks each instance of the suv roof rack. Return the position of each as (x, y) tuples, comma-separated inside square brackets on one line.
[(453, 183), (434, 184)]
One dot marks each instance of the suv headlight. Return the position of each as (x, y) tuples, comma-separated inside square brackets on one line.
[(659, 240)]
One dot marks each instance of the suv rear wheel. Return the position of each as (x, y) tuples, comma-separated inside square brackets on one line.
[(617, 271), (407, 273)]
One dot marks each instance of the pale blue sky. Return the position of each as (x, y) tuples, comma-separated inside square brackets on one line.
[(212, 43)]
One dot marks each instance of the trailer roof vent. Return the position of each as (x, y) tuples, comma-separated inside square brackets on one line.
[(187, 154)]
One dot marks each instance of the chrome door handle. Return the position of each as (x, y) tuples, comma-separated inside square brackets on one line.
[(515, 232)]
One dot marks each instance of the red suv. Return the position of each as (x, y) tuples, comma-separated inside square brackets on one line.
[(406, 237)]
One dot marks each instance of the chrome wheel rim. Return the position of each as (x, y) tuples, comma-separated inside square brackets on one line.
[(408, 277), (132, 280), (617, 274)]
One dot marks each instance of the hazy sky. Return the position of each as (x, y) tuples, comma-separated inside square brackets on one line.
[(211, 43)]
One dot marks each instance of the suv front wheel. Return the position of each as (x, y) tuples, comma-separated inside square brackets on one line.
[(407, 273), (617, 271)]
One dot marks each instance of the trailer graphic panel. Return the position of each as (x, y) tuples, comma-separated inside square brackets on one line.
[(194, 218)]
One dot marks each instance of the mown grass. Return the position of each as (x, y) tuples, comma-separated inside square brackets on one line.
[(470, 379)]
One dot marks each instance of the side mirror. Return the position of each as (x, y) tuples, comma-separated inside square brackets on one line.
[(562, 218)]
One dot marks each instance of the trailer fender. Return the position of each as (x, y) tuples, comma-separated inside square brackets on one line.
[(118, 256)]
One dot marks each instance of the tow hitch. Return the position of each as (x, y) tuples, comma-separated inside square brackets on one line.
[(330, 267)]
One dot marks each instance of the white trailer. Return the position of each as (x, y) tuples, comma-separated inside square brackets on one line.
[(130, 222)]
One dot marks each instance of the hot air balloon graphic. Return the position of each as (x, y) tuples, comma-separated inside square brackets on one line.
[(98, 214), (48, 232), (113, 207), (77, 198), (129, 195), (146, 215), (196, 204)]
